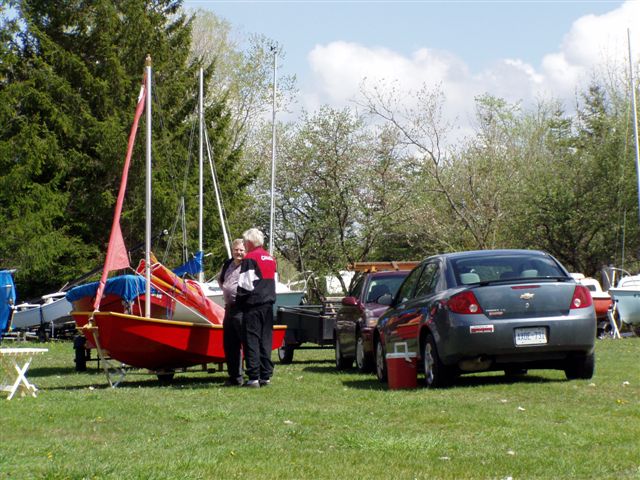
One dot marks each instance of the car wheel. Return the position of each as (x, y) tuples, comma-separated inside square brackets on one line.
[(381, 362), (285, 354), (436, 374), (342, 362), (362, 362), (580, 367)]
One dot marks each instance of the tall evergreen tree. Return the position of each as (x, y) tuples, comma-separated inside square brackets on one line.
[(69, 78)]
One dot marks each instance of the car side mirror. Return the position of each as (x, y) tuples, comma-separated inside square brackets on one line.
[(350, 301), (385, 299)]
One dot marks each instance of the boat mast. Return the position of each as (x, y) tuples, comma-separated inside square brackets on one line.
[(200, 190), (635, 117), (216, 189), (273, 152), (147, 259)]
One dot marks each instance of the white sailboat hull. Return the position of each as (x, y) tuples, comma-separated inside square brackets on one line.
[(284, 296), (628, 303), (33, 315)]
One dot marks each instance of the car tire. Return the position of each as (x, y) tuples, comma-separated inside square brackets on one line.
[(436, 374), (342, 362), (580, 367), (285, 354), (363, 363), (381, 362)]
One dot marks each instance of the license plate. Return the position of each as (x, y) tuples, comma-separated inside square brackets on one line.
[(531, 336)]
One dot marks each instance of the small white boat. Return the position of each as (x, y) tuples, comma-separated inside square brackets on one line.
[(285, 297), (51, 312), (626, 295)]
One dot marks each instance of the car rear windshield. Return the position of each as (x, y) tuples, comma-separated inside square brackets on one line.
[(383, 285), (483, 268)]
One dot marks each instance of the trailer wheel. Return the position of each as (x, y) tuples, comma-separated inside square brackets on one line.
[(79, 346), (285, 354), (165, 377), (342, 362)]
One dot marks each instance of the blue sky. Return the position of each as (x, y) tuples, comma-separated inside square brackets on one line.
[(518, 50), (478, 31)]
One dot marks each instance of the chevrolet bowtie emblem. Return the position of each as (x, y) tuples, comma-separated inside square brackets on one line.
[(527, 296)]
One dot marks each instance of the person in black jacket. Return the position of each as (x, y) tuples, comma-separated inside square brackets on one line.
[(232, 324), (255, 297)]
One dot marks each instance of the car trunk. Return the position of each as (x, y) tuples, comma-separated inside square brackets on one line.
[(525, 300)]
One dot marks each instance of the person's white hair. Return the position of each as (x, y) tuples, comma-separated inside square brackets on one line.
[(236, 242), (254, 236)]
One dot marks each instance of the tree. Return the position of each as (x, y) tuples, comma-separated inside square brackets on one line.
[(341, 189), (69, 86)]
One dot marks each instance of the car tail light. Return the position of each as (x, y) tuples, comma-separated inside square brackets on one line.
[(581, 298), (465, 302)]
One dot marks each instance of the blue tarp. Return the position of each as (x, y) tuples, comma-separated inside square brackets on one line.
[(126, 286), (7, 299), (192, 267)]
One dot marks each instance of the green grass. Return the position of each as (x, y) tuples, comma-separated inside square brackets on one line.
[(315, 422)]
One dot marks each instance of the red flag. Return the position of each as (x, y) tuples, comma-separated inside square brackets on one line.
[(117, 255)]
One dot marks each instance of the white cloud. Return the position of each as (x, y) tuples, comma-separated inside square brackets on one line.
[(338, 68)]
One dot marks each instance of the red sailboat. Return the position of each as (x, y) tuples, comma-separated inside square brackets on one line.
[(152, 319)]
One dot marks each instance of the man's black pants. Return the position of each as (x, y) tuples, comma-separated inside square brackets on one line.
[(257, 330), (232, 340)]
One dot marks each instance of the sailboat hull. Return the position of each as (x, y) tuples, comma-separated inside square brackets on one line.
[(157, 344)]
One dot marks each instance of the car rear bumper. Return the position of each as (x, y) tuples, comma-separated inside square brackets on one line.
[(476, 336)]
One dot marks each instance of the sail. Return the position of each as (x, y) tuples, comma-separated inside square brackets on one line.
[(117, 256)]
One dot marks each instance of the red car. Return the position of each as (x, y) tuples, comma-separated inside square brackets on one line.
[(357, 316)]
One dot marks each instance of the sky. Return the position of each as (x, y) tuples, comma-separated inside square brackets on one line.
[(518, 50)]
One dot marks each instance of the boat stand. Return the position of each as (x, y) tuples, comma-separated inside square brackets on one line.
[(115, 372), (615, 332)]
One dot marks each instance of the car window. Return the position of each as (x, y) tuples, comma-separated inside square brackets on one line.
[(407, 288), (428, 280), (383, 285), (356, 290), (472, 269)]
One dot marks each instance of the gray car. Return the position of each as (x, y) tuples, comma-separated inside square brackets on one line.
[(510, 310)]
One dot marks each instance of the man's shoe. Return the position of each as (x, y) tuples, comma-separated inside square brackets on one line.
[(230, 382), (252, 384), (264, 383)]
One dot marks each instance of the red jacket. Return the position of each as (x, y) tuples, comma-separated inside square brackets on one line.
[(257, 283)]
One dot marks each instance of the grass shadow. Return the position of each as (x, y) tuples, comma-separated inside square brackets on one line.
[(315, 368), (50, 371), (472, 381), (180, 381), (369, 383), (485, 380)]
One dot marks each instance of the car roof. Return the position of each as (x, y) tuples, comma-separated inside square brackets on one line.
[(489, 253), (388, 273)]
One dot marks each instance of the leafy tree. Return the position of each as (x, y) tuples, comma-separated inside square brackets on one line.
[(342, 189)]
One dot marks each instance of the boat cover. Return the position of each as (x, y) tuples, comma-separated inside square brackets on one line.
[(128, 287), (7, 299), (192, 267)]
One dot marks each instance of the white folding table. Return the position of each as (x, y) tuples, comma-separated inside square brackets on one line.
[(14, 363)]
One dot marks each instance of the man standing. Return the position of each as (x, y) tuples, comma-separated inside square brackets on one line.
[(256, 296), (232, 324)]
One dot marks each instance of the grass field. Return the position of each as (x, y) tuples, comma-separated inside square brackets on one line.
[(315, 422)]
